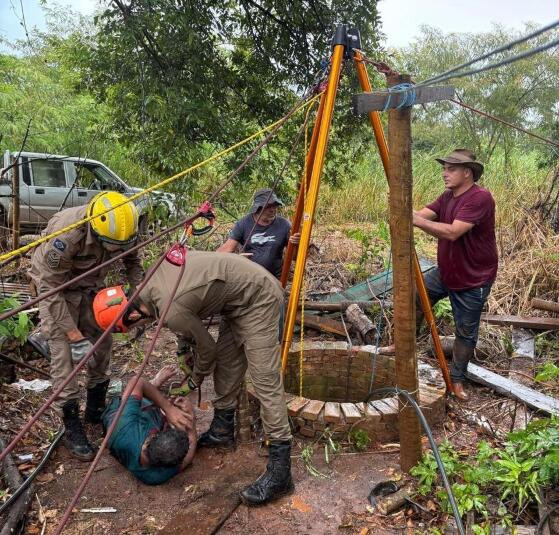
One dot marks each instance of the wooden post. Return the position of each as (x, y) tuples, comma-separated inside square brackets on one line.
[(15, 207), (401, 231), (363, 101)]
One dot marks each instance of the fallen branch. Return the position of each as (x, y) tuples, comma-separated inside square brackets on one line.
[(13, 478), (543, 324)]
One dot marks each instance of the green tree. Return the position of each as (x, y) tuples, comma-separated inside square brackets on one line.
[(523, 93)]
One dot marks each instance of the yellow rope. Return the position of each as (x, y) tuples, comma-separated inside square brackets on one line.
[(29, 246), (304, 287)]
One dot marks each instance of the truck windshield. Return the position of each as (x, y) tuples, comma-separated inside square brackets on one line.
[(96, 177)]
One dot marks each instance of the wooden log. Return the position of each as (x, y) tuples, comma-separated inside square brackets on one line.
[(521, 366), (543, 324), (402, 246), (325, 306), (326, 325), (22, 364), (13, 479), (512, 389), (542, 304), (361, 322), (393, 502)]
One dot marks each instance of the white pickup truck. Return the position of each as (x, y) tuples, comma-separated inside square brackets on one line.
[(50, 183)]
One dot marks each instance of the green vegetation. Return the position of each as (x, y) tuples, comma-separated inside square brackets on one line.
[(17, 327), (516, 473), (359, 439)]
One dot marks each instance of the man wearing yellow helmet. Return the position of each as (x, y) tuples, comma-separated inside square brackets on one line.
[(66, 317)]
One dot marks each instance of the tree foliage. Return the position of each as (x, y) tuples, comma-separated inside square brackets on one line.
[(523, 93), (177, 75)]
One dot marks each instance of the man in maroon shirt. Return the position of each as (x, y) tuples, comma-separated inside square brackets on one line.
[(463, 221)]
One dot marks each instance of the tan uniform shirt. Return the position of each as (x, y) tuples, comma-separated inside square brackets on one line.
[(69, 255), (244, 285)]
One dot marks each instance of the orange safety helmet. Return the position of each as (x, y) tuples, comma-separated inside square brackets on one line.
[(108, 303)]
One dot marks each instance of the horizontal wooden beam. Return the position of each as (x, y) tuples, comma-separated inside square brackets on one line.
[(326, 325), (376, 101), (513, 390), (541, 324)]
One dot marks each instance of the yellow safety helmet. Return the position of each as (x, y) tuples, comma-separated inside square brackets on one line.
[(120, 224)]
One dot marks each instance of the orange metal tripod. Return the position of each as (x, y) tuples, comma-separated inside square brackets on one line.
[(311, 183)]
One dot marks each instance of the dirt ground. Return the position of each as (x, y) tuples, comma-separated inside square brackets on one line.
[(204, 499), (206, 494)]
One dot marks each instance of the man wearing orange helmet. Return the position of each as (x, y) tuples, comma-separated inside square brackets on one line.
[(66, 317), (250, 300)]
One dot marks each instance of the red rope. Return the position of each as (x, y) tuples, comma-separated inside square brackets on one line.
[(123, 401), (515, 127)]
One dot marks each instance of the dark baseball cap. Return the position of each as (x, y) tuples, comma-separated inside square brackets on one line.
[(264, 197)]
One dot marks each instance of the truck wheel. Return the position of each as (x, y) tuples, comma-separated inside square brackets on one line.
[(4, 231)]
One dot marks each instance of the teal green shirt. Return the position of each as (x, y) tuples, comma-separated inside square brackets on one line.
[(139, 419)]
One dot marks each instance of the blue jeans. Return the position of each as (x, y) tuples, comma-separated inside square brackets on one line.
[(467, 306)]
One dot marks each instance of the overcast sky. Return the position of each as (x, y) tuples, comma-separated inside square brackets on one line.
[(401, 19)]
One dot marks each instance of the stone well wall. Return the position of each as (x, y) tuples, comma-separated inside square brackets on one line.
[(336, 382)]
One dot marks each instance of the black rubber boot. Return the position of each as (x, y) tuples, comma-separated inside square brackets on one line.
[(461, 356), (275, 481), (75, 438), (96, 401), (221, 432)]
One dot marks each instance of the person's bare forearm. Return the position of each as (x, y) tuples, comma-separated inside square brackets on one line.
[(442, 231), (152, 393)]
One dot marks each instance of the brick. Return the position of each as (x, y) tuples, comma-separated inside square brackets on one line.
[(307, 432), (332, 412), (295, 405), (372, 413), (312, 409), (351, 412), (318, 425)]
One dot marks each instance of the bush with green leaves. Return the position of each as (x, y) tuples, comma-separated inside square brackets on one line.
[(517, 472), (17, 327)]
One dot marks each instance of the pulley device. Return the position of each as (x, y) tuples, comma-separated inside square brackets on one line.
[(177, 253)]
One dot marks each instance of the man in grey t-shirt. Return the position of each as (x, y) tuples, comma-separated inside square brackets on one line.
[(262, 232)]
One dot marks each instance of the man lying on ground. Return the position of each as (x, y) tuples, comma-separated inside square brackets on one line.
[(154, 438)]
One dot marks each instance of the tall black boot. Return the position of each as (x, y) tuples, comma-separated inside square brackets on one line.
[(96, 398), (276, 480), (461, 356), (75, 438), (221, 431)]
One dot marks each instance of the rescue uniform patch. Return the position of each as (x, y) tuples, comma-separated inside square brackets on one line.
[(53, 259), (59, 244)]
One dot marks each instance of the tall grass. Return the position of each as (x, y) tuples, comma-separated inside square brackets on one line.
[(365, 198)]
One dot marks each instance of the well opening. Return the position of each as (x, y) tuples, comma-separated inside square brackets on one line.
[(336, 382), (332, 373)]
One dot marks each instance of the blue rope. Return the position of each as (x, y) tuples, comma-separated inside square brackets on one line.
[(380, 321), (408, 98)]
